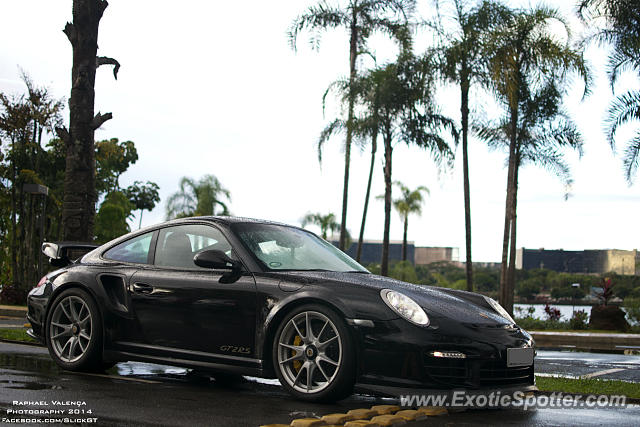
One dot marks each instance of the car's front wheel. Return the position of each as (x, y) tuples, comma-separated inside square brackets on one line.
[(313, 354), (74, 331)]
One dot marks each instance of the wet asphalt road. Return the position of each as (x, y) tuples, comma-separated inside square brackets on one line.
[(594, 365), (146, 394)]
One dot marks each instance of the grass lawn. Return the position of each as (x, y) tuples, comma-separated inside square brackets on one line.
[(589, 386), (15, 334)]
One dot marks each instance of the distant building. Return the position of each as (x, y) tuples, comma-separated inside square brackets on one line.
[(372, 250), (595, 261), (429, 255)]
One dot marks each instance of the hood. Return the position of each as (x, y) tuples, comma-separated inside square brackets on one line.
[(464, 307)]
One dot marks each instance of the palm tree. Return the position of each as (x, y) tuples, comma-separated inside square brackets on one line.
[(462, 61), (198, 198), (364, 125), (529, 67), (327, 223), (621, 30), (407, 112), (410, 202), (361, 18)]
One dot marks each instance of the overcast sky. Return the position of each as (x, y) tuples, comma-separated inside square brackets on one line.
[(214, 88)]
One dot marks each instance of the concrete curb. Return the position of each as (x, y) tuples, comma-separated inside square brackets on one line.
[(33, 344)]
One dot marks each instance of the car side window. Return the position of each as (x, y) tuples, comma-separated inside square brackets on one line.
[(178, 245), (134, 250)]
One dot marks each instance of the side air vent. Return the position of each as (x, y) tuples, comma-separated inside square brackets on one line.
[(114, 287)]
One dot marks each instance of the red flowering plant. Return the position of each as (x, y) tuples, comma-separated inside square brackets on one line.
[(607, 291), (553, 313)]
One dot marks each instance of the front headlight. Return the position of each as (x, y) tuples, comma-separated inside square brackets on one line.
[(405, 307), (499, 309)]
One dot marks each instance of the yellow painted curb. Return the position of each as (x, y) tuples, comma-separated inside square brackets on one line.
[(308, 422), (362, 414), (433, 411), (361, 423), (337, 418), (385, 409), (411, 415), (388, 420)]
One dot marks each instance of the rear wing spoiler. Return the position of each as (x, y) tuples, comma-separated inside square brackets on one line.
[(61, 254)]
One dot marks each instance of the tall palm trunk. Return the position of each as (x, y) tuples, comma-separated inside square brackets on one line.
[(14, 223), (511, 274), (79, 184), (404, 237), (464, 112), (388, 151), (374, 148), (353, 54), (506, 293)]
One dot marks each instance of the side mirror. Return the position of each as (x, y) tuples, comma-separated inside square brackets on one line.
[(215, 259)]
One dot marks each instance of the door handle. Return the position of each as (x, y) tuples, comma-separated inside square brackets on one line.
[(142, 288)]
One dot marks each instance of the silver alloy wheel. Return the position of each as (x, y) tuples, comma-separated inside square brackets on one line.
[(309, 352), (70, 329)]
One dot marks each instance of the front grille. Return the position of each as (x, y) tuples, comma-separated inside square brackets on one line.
[(474, 373)]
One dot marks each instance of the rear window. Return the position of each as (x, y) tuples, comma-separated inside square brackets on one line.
[(134, 250)]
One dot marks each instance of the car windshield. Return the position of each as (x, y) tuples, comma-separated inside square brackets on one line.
[(288, 248)]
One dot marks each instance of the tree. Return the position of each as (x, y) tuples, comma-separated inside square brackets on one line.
[(113, 158), (198, 198), (79, 183), (462, 60), (361, 18), (366, 124), (143, 196), (24, 121), (529, 67), (327, 223), (408, 113), (621, 30), (410, 202), (111, 220)]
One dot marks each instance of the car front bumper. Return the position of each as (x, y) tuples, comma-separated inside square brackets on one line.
[(398, 355)]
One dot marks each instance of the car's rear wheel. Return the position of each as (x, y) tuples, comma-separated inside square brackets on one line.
[(74, 331), (313, 354)]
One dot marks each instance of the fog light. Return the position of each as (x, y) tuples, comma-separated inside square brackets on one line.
[(449, 354)]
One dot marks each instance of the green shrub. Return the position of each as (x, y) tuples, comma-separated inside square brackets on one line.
[(579, 320)]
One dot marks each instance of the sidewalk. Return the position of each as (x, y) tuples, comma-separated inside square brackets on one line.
[(13, 311), (586, 340)]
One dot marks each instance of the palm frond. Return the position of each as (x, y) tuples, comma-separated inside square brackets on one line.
[(337, 125), (631, 157), (316, 19), (623, 109)]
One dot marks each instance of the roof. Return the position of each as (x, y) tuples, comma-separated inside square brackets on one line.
[(229, 220)]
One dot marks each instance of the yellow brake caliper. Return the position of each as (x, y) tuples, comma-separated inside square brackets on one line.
[(297, 365)]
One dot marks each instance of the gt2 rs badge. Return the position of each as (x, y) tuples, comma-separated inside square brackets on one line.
[(235, 349)]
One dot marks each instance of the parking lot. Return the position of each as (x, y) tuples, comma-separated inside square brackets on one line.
[(146, 394)]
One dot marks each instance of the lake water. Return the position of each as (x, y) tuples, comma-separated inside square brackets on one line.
[(566, 311)]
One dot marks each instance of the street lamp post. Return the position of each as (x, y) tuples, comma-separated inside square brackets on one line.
[(44, 190), (573, 299)]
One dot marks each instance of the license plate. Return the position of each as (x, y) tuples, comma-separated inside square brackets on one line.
[(519, 357)]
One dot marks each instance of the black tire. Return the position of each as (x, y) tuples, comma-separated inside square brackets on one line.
[(86, 354), (332, 366)]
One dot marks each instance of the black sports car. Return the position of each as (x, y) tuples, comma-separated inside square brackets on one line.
[(241, 296)]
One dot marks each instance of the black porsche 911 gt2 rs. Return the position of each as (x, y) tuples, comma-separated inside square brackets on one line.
[(249, 297)]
